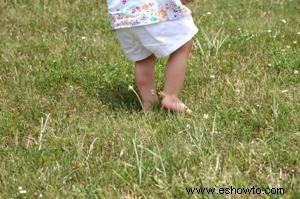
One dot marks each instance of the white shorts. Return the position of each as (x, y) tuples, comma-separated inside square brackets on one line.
[(160, 39)]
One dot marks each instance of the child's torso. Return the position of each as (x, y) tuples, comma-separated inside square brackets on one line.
[(130, 13)]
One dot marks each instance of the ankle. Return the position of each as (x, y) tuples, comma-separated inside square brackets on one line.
[(148, 104), (169, 97)]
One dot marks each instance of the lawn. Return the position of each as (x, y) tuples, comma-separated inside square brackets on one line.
[(70, 128)]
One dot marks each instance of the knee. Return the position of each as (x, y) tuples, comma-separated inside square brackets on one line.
[(143, 77), (142, 82)]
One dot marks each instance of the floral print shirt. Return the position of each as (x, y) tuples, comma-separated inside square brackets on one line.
[(130, 13)]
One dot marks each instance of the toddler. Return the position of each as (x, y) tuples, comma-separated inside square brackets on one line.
[(150, 29)]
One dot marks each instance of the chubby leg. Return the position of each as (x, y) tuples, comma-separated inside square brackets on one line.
[(145, 80), (174, 79)]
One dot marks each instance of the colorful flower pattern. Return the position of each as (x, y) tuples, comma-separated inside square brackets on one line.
[(130, 13)]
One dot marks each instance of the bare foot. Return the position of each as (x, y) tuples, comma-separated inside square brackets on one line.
[(148, 105), (172, 103)]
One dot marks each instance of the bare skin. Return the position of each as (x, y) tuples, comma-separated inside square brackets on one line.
[(145, 80), (174, 79), (184, 2)]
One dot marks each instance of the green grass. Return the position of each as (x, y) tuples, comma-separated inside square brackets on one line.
[(60, 60)]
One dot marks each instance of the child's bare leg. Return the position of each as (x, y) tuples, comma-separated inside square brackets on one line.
[(175, 74), (145, 80)]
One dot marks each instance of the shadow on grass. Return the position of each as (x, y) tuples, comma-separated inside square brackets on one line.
[(118, 97)]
